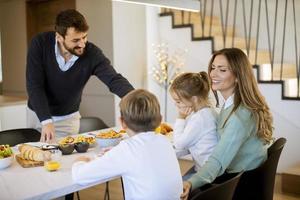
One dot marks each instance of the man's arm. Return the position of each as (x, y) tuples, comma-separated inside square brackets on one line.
[(35, 83), (116, 83)]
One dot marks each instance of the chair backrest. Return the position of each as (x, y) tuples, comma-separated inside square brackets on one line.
[(17, 136), (259, 183), (223, 189), (91, 124)]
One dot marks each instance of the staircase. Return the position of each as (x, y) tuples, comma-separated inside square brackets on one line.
[(211, 28)]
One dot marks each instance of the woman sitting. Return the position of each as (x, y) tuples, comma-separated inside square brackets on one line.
[(244, 123)]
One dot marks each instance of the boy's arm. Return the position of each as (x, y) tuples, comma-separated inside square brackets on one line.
[(109, 165)]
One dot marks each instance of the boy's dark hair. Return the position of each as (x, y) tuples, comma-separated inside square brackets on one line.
[(70, 18), (140, 111)]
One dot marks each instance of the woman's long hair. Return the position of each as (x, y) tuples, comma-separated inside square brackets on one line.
[(246, 91)]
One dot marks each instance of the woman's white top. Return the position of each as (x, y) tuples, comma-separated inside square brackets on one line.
[(198, 134), (146, 162)]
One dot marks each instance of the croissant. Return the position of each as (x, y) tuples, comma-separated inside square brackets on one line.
[(32, 153)]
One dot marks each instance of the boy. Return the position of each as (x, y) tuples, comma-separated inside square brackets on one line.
[(143, 160)]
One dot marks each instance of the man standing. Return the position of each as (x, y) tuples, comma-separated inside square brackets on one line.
[(59, 64)]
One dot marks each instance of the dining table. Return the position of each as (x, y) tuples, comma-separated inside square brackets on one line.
[(36, 183)]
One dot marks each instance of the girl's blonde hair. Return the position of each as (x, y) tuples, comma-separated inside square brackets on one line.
[(187, 85), (140, 111), (246, 91)]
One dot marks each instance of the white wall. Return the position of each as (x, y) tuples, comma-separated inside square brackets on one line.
[(129, 44), (286, 114), (96, 99), (197, 56)]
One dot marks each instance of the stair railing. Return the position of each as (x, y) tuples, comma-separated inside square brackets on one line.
[(246, 19)]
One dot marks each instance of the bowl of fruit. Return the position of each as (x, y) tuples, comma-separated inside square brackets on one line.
[(6, 156)]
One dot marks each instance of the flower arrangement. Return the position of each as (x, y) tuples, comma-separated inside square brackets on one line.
[(169, 66)]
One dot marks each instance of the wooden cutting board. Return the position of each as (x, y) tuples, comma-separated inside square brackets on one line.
[(28, 163)]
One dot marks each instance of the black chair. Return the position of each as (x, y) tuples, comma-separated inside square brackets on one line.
[(17, 136), (91, 124), (222, 189), (258, 184)]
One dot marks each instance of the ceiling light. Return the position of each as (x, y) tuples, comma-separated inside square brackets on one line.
[(187, 5)]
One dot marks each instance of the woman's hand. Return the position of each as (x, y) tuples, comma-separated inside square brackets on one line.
[(186, 190)]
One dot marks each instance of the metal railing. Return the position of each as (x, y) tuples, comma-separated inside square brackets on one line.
[(270, 40)]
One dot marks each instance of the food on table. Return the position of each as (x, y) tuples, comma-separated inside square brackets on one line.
[(164, 129), (80, 138), (109, 134), (5, 151), (90, 140), (67, 140), (52, 165), (28, 152)]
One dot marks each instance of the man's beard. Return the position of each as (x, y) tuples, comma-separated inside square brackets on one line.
[(73, 50)]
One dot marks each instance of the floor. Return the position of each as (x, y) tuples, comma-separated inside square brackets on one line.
[(97, 192)]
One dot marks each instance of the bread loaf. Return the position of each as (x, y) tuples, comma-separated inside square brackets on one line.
[(32, 153)]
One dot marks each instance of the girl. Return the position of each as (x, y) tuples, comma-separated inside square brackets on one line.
[(195, 126), (244, 123)]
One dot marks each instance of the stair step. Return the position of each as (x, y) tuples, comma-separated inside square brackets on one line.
[(263, 56), (289, 71), (290, 88), (239, 42), (291, 180), (194, 17), (216, 30)]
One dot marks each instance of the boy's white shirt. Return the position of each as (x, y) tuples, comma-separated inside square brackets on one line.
[(198, 134), (147, 163)]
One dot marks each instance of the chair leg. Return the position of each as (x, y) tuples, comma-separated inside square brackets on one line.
[(77, 194), (123, 188), (106, 194), (69, 196)]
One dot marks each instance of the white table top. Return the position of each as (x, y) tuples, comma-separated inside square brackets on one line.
[(17, 182)]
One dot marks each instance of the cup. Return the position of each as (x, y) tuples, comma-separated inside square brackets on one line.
[(54, 164)]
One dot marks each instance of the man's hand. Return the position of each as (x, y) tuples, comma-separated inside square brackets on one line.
[(183, 112), (48, 133), (186, 190)]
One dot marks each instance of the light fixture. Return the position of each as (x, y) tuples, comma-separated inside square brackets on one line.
[(187, 5)]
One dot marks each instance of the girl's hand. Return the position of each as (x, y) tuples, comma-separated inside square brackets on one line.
[(183, 112), (186, 190)]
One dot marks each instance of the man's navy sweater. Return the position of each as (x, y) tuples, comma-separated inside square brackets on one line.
[(53, 92)]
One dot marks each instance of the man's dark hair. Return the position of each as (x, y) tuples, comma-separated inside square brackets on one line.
[(70, 18)]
